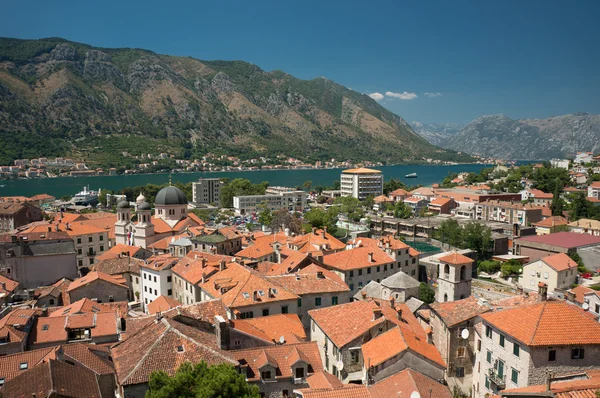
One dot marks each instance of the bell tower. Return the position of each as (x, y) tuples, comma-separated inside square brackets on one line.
[(454, 278), (123, 221)]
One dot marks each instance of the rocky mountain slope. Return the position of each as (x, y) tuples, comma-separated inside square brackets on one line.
[(437, 134), (501, 137), (65, 98)]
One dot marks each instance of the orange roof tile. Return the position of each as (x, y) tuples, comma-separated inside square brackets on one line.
[(439, 201), (7, 286), (311, 280), (271, 328), (236, 286), (551, 222), (404, 383), (323, 380), (160, 262), (581, 291), (454, 312), (317, 240), (399, 192), (345, 322), (455, 258), (383, 347), (282, 356), (546, 324), (97, 276), (262, 246), (559, 262), (361, 170), (346, 391), (117, 250), (162, 304), (356, 258)]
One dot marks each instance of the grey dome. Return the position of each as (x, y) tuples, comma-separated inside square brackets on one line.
[(170, 196), (124, 204), (144, 206)]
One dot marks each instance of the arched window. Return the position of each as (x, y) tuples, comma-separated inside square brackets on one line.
[(445, 297), (446, 269), (463, 272)]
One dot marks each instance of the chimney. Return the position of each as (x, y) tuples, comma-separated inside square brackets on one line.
[(324, 232), (320, 275), (376, 313), (542, 291), (255, 295), (370, 257), (314, 231), (392, 302), (158, 316), (49, 229), (364, 295), (203, 277), (2, 285), (570, 296), (60, 354), (271, 293), (204, 262), (222, 332), (221, 265)]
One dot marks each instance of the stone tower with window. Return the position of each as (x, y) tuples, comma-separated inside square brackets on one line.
[(454, 277)]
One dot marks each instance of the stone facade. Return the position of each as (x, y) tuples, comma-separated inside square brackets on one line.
[(101, 290), (454, 282)]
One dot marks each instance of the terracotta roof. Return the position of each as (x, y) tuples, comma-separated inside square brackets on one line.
[(361, 170), (454, 312), (315, 241), (271, 328), (581, 291), (404, 383), (346, 391), (236, 286), (399, 192), (54, 378), (585, 388), (552, 221), (559, 262), (281, 356), (7, 286), (117, 250), (162, 304), (383, 347), (382, 199), (63, 285), (413, 199), (55, 329), (595, 184), (312, 280), (357, 258), (565, 240), (160, 262), (381, 243), (97, 276), (10, 208), (164, 345), (291, 263), (540, 194), (455, 258), (10, 364), (586, 223), (117, 266), (546, 324), (85, 305), (439, 201), (262, 246), (345, 322), (161, 226), (323, 380), (192, 267), (76, 228), (13, 324)]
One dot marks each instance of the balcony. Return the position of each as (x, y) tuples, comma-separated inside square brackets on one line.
[(299, 380), (497, 379), (91, 253)]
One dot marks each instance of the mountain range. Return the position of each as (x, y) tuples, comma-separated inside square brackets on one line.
[(437, 134), (500, 137), (61, 98)]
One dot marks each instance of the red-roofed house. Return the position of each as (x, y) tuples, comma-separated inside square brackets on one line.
[(585, 297), (558, 271), (264, 330), (100, 286), (518, 346), (442, 205), (594, 190), (162, 304)]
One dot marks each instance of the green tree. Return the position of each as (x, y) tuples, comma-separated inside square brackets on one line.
[(580, 207), (557, 205), (201, 380), (203, 214), (368, 202), (336, 184), (239, 187), (319, 218), (489, 266), (511, 268), (265, 216), (307, 185), (577, 258), (282, 219), (392, 185), (426, 293), (401, 210), (477, 237), (450, 233)]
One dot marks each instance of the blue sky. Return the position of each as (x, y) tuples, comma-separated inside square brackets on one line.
[(525, 59)]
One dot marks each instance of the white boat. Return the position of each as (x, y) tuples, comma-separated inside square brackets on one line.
[(411, 175), (85, 197)]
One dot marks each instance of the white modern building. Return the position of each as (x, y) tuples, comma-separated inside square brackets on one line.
[(292, 201), (360, 183), (157, 278), (560, 163), (207, 191)]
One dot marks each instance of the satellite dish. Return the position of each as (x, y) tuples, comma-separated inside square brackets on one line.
[(415, 394), (464, 334), (340, 365), (585, 306), (281, 340)]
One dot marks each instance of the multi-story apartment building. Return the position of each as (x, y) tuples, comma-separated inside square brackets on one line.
[(508, 212), (518, 347), (594, 190), (207, 191), (157, 278), (292, 201), (360, 183)]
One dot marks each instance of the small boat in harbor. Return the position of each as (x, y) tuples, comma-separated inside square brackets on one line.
[(411, 175)]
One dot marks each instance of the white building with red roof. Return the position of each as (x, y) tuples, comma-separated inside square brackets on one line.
[(558, 271), (517, 347)]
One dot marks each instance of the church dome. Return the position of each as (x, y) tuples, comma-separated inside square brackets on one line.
[(141, 198), (144, 206), (170, 196), (124, 204)]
